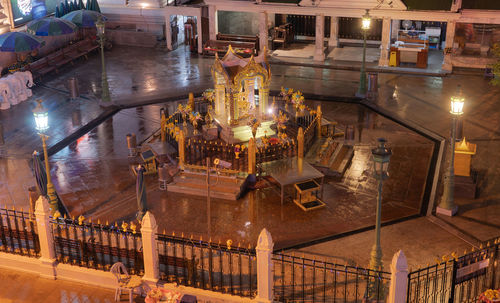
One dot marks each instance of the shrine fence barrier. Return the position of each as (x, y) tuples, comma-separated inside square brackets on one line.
[(97, 246), (278, 151), (458, 280), (18, 233), (197, 151), (299, 279), (206, 265)]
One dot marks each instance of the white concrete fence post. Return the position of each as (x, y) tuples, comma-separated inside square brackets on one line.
[(399, 278), (46, 238), (264, 251), (149, 229)]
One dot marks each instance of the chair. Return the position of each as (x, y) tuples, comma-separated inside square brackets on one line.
[(125, 281)]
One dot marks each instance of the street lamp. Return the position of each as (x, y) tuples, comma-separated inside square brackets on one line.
[(101, 28), (381, 157), (447, 205), (42, 124), (365, 26)]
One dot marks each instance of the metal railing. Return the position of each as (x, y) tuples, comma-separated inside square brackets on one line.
[(299, 279), (197, 152), (458, 280), (206, 265), (276, 152), (18, 233), (97, 246)]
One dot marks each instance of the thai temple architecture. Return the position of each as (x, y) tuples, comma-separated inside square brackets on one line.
[(241, 92)]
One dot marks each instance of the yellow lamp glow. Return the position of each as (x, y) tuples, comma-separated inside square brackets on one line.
[(366, 21), (457, 103), (41, 117), (101, 28)]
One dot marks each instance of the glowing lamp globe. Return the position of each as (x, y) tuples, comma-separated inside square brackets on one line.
[(41, 117), (457, 103), (366, 21), (381, 157), (101, 28)]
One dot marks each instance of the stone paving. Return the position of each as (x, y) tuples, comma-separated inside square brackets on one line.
[(141, 78)]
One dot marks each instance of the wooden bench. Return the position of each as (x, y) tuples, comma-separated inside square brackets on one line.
[(58, 59), (283, 35), (244, 49), (240, 38), (40, 67)]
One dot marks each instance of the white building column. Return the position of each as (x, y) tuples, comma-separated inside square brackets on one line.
[(168, 31), (264, 252), (385, 44), (199, 32), (212, 22), (263, 31), (450, 35), (46, 239), (319, 52), (149, 251), (334, 32), (399, 278)]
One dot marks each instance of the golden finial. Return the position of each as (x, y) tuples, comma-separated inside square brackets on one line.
[(164, 232), (201, 238), (13, 207), (124, 226), (239, 245), (173, 234), (90, 220), (65, 217), (437, 261), (81, 219), (454, 255), (229, 243), (191, 237), (182, 235), (210, 240), (481, 246), (73, 218), (133, 227), (22, 209), (57, 214), (107, 223), (473, 249)]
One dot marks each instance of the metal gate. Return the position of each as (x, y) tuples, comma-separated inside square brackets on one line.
[(457, 279)]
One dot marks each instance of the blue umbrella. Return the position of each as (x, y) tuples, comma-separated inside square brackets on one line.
[(141, 193), (40, 174), (50, 27), (83, 18), (19, 42)]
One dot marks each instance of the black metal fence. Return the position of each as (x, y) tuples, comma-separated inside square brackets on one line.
[(298, 279), (459, 280), (97, 246), (206, 265), (197, 151), (18, 233)]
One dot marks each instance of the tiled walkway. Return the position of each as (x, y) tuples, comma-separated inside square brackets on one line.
[(155, 74)]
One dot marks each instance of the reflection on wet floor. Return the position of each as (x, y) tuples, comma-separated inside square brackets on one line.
[(93, 178)]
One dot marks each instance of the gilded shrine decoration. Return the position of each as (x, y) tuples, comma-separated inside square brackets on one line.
[(241, 92)]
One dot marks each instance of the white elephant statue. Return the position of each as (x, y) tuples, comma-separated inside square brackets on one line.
[(16, 87), (5, 94), (27, 80)]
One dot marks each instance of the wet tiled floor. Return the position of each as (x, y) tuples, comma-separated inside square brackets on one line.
[(139, 75)]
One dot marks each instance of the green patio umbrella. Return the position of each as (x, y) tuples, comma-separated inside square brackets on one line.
[(50, 27), (83, 18), (18, 42), (141, 193)]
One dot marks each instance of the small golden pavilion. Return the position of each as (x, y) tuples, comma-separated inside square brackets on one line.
[(241, 91)]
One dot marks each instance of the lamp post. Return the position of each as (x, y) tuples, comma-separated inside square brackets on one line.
[(365, 26), (447, 205), (42, 124), (101, 28), (381, 157)]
